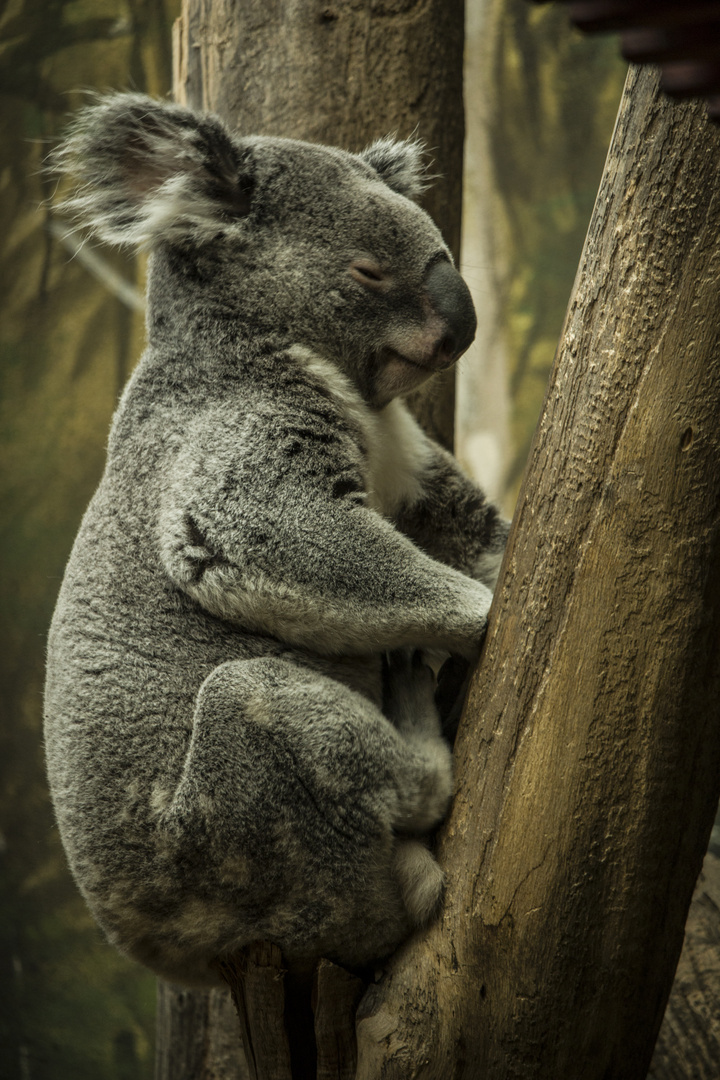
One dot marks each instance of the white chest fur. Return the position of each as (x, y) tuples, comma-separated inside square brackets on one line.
[(397, 449)]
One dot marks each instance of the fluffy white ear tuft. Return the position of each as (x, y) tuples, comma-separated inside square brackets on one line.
[(145, 171), (400, 163)]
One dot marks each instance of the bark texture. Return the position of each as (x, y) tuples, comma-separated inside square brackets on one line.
[(344, 73), (588, 760), (198, 1036), (256, 984)]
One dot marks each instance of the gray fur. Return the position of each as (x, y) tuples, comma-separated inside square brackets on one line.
[(227, 760)]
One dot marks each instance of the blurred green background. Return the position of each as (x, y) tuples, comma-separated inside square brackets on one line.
[(70, 1007)]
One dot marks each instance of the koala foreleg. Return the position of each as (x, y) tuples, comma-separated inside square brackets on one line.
[(336, 578)]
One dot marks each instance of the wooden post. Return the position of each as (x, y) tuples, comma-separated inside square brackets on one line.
[(588, 759)]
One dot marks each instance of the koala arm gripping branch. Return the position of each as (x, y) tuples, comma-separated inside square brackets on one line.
[(290, 550), (453, 522), (335, 580)]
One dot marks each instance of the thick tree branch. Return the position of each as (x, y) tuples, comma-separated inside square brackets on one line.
[(588, 761)]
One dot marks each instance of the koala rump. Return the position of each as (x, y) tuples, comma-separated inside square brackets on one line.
[(240, 744)]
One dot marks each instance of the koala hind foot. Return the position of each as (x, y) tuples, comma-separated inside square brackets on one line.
[(409, 705), (420, 879)]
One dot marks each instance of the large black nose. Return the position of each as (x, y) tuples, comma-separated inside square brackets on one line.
[(450, 298)]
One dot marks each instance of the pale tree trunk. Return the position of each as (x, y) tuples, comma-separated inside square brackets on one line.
[(588, 760), (343, 73), (482, 416)]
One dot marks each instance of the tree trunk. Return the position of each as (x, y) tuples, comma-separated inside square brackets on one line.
[(343, 73), (588, 760), (482, 415)]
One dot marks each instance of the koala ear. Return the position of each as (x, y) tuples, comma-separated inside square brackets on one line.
[(400, 163), (146, 171)]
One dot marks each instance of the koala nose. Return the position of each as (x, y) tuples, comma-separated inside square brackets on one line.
[(451, 300)]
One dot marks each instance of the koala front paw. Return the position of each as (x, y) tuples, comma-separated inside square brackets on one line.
[(420, 879), (468, 638)]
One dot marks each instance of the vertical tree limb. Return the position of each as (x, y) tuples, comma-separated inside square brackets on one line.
[(337, 994), (197, 1036), (588, 760), (256, 979)]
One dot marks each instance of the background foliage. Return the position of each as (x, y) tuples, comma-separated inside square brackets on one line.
[(556, 98), (541, 102), (70, 1007)]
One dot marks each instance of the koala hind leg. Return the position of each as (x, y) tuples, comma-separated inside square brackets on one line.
[(288, 811)]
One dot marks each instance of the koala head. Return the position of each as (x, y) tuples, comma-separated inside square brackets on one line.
[(305, 244)]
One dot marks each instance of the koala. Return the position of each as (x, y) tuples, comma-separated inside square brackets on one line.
[(242, 739)]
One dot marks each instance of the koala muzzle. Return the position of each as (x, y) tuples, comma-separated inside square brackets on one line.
[(450, 298)]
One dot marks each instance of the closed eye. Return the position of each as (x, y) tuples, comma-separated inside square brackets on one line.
[(367, 273)]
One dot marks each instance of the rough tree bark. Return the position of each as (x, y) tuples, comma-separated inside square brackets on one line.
[(341, 72), (197, 1036), (588, 761)]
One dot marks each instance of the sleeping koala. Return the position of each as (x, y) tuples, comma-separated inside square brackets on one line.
[(242, 743)]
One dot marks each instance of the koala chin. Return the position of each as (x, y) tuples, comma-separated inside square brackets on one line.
[(242, 739)]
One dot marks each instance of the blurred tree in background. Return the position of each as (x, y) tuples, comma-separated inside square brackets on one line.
[(541, 103)]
